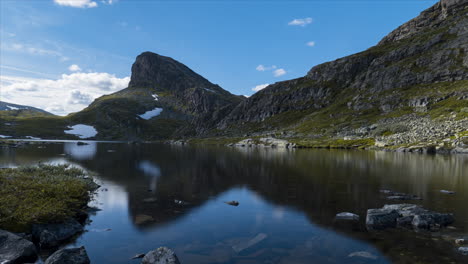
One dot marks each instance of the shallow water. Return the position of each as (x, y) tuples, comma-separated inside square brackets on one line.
[(288, 201)]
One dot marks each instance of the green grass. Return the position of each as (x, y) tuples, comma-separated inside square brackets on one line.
[(334, 143), (41, 194)]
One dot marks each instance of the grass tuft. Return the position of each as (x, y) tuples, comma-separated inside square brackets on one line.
[(42, 194)]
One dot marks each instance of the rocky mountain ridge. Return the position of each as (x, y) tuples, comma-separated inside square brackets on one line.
[(411, 88)]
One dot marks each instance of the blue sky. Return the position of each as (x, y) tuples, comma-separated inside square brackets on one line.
[(225, 41)]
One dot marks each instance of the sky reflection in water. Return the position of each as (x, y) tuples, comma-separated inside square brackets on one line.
[(288, 200)]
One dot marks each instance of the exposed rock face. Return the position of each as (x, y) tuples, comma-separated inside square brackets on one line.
[(50, 235), (69, 255), (162, 255), (190, 103), (14, 249), (387, 79)]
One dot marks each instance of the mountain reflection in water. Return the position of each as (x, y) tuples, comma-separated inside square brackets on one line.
[(155, 195)]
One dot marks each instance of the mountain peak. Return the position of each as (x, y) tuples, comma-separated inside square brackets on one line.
[(152, 70)]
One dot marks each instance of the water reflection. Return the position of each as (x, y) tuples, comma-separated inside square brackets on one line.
[(81, 151), (289, 196), (152, 171)]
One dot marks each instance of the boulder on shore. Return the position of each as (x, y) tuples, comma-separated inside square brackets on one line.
[(69, 255), (15, 249), (162, 255), (51, 235)]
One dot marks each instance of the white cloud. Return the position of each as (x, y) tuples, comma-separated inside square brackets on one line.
[(260, 87), (78, 89), (265, 68), (78, 3), (300, 22), (74, 68), (279, 72), (77, 97), (310, 43)]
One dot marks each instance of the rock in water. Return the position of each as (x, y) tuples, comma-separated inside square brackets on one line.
[(432, 220), (69, 255), (363, 254), (347, 216), (14, 249), (406, 215), (463, 250), (233, 203), (162, 255), (378, 219), (51, 235), (447, 192), (137, 256)]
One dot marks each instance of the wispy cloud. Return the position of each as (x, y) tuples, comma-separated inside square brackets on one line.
[(109, 2), (260, 87), (310, 43), (265, 68), (15, 69), (300, 22), (279, 72), (78, 3), (79, 89), (32, 50)]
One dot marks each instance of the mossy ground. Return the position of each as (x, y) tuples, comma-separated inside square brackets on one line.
[(42, 194)]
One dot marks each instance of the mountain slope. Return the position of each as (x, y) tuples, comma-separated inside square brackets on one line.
[(184, 103), (418, 74), (15, 110)]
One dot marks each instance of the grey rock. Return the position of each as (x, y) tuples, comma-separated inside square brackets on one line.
[(69, 256), (15, 249), (378, 219), (432, 220), (347, 216), (51, 235), (447, 192), (162, 255), (463, 250), (407, 216)]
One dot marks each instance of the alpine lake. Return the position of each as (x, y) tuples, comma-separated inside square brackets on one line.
[(155, 195)]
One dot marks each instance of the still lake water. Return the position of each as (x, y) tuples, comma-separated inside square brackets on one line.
[(288, 201)]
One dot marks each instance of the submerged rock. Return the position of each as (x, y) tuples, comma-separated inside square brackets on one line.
[(363, 254), (51, 235), (347, 216), (404, 196), (249, 243), (69, 255), (143, 219), (447, 192), (15, 249), (162, 255)]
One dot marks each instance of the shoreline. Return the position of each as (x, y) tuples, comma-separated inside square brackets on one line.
[(459, 144)]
